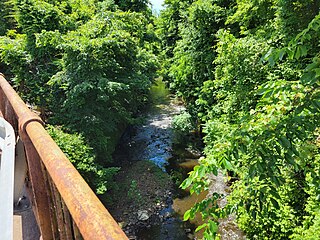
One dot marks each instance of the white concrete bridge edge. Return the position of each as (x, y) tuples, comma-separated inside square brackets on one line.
[(7, 164)]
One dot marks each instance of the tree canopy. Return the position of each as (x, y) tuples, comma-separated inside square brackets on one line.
[(247, 71), (86, 64)]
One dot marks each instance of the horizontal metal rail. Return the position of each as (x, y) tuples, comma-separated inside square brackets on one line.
[(7, 146), (88, 213)]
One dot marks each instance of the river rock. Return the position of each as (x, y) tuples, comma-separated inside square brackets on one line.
[(167, 215), (193, 153), (190, 236), (122, 224), (143, 215)]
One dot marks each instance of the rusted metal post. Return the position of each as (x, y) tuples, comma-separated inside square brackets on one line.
[(39, 190), (93, 220)]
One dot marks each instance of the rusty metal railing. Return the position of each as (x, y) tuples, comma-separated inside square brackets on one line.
[(64, 205)]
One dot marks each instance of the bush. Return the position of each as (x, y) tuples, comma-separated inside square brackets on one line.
[(182, 126), (83, 159)]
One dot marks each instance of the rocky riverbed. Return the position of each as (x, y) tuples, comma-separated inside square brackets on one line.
[(142, 204), (144, 191)]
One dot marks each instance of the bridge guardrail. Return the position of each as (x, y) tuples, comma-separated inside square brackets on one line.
[(64, 205)]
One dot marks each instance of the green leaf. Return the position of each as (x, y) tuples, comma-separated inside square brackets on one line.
[(201, 171), (252, 171), (274, 193), (298, 52), (282, 54), (260, 166), (254, 214), (213, 227), (186, 215), (290, 159), (275, 203), (317, 71), (186, 183), (236, 153), (271, 61), (295, 151), (291, 53), (192, 213), (284, 142), (299, 109), (201, 227), (316, 103), (268, 93), (262, 197), (227, 165), (248, 206), (307, 77), (278, 149), (304, 51), (214, 170), (262, 89)]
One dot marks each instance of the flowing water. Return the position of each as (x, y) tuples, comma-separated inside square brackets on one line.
[(153, 141)]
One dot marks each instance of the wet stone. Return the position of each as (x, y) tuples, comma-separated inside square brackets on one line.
[(143, 215)]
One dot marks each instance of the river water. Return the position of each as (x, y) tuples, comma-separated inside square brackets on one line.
[(154, 141)]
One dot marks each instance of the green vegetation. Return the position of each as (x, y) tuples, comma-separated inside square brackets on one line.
[(182, 126), (87, 65), (83, 158), (248, 71), (139, 191), (134, 194)]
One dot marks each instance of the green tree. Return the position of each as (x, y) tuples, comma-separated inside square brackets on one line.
[(260, 115), (134, 5), (168, 23), (194, 53), (87, 65), (262, 130), (103, 63)]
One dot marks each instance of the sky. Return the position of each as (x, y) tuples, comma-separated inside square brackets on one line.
[(157, 4)]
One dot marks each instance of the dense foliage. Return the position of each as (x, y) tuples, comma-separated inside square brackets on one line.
[(83, 158), (87, 66), (249, 72)]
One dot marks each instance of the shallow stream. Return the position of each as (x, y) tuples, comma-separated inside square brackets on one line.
[(153, 141)]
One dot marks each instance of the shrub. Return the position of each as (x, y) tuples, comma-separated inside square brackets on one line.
[(83, 159), (182, 125)]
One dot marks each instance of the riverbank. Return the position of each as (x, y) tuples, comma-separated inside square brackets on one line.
[(143, 191)]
